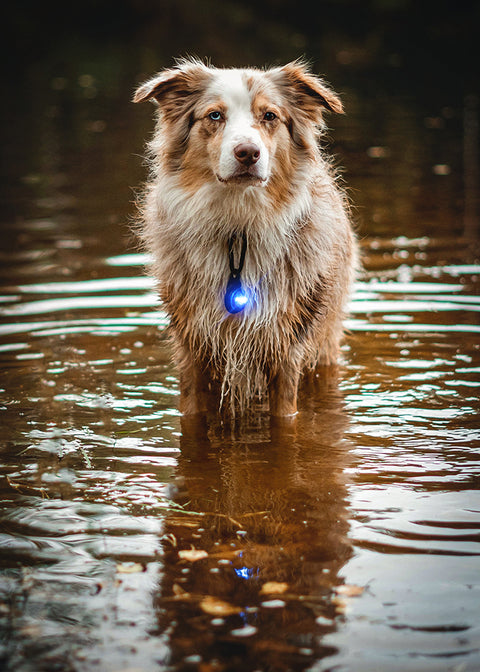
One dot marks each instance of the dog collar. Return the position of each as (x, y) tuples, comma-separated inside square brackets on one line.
[(236, 298)]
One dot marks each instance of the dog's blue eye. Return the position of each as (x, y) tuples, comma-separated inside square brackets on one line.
[(215, 116), (269, 116)]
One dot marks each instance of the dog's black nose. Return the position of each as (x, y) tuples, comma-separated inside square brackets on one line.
[(247, 153)]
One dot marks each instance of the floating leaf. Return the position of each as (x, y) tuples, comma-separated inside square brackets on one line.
[(215, 607), (192, 555), (274, 588), (227, 554), (178, 591)]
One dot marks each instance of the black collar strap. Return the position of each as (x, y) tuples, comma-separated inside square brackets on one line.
[(231, 242), (236, 298)]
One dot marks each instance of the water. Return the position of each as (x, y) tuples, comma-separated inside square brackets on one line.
[(134, 539)]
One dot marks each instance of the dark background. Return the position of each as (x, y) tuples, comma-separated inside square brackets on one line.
[(434, 42), (405, 70)]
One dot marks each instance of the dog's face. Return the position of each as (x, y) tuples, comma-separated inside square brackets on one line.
[(238, 130), (236, 127)]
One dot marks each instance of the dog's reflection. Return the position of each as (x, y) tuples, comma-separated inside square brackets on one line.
[(253, 552)]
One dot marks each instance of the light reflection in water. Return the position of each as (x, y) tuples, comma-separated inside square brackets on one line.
[(273, 527)]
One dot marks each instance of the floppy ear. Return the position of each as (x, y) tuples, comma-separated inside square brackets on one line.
[(157, 86), (306, 91), (179, 83)]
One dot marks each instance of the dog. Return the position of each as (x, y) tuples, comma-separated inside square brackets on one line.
[(250, 234)]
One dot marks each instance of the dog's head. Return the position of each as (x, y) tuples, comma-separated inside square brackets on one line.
[(237, 127)]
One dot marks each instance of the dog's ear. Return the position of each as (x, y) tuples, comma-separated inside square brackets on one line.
[(157, 86), (306, 91), (180, 82)]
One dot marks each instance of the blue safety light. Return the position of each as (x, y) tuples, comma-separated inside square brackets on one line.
[(236, 298)]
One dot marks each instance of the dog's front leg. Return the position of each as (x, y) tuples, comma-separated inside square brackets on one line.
[(194, 385), (283, 392)]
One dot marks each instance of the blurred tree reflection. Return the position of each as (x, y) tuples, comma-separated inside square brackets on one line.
[(431, 41)]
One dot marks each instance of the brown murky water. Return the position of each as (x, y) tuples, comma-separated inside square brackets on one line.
[(132, 539)]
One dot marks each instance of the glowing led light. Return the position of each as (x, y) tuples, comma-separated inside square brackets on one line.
[(236, 298), (239, 299)]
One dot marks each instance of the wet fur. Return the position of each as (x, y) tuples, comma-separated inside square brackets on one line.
[(301, 251)]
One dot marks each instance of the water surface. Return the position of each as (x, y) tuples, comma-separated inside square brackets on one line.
[(132, 538)]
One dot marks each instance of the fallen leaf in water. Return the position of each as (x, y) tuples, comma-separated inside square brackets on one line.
[(129, 568), (227, 554), (273, 588), (192, 555), (349, 591), (178, 591), (215, 607)]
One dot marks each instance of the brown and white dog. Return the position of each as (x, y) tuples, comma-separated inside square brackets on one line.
[(240, 186)]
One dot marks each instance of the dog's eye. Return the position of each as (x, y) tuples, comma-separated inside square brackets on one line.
[(215, 115), (269, 116)]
